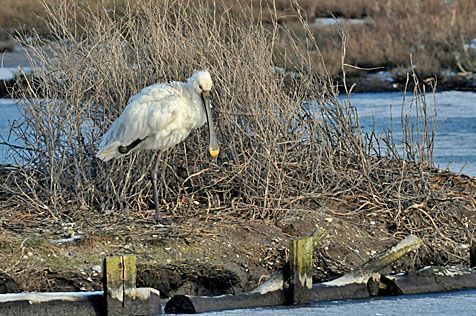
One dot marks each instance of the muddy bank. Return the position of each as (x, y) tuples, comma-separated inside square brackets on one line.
[(201, 255)]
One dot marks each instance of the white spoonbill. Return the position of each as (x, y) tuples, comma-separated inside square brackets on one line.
[(159, 117)]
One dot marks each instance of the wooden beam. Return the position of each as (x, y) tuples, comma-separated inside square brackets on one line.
[(44, 304), (363, 273), (435, 279), (184, 304)]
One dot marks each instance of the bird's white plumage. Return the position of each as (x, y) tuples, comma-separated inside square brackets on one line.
[(162, 115)]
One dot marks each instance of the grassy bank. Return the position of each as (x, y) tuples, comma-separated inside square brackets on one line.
[(282, 157)]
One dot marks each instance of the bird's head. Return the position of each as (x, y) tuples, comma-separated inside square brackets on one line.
[(201, 81)]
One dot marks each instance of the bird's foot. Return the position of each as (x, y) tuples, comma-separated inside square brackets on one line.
[(163, 222)]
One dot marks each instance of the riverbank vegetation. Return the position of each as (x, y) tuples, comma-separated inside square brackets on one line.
[(436, 33), (289, 145)]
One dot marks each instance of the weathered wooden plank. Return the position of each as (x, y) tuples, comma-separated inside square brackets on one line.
[(364, 272), (54, 304), (435, 279), (184, 304), (324, 292), (275, 283)]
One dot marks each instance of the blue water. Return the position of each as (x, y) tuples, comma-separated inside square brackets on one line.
[(450, 303)]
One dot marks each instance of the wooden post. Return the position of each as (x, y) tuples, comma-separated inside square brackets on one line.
[(117, 281), (275, 283), (472, 255), (298, 278), (122, 296)]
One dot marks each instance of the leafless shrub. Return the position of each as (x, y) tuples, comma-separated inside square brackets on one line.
[(287, 140)]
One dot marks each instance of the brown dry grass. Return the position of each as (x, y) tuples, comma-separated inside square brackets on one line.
[(21, 13), (432, 31)]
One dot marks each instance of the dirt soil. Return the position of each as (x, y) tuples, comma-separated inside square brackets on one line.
[(204, 254)]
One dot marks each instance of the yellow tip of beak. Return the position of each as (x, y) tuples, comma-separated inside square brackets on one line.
[(214, 152)]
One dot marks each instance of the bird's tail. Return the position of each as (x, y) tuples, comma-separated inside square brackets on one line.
[(109, 152)]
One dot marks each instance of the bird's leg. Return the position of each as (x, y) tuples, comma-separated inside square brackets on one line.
[(153, 175)]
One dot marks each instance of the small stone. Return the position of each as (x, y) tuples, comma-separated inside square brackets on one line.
[(329, 219), (97, 268)]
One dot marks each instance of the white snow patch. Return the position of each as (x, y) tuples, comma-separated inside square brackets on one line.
[(8, 73), (332, 21)]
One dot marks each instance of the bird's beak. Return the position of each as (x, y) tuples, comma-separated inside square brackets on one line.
[(213, 148)]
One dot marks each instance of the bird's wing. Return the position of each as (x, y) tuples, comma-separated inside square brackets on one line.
[(147, 112)]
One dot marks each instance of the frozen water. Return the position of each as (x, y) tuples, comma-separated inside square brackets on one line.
[(455, 119), (451, 303)]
